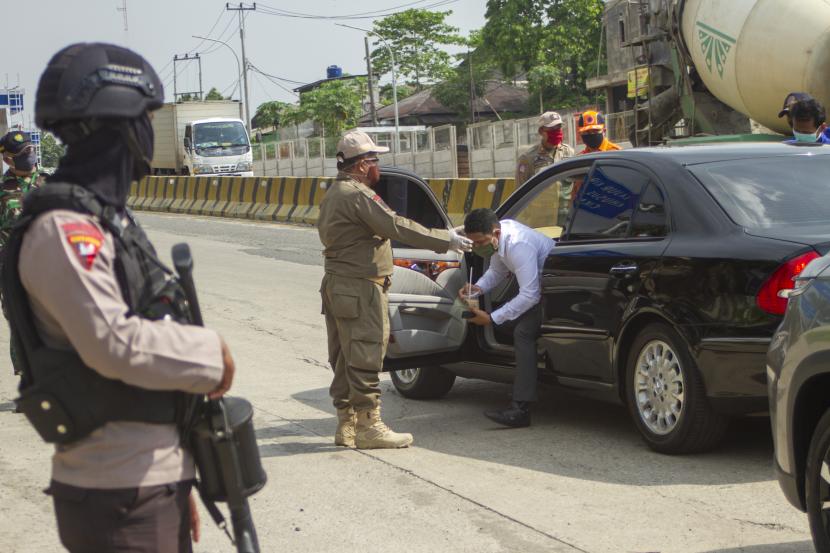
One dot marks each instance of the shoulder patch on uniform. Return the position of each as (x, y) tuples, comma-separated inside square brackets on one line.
[(85, 239), (379, 200)]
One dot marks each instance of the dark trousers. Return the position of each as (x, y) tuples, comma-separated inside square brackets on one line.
[(152, 519), (525, 333)]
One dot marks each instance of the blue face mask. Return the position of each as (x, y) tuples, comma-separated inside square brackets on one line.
[(804, 136)]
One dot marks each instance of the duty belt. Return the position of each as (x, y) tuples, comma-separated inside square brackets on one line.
[(384, 282)]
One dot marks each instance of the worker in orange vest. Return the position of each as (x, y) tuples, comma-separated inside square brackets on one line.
[(591, 128)]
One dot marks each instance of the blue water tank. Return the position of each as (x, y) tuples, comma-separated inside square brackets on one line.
[(334, 71)]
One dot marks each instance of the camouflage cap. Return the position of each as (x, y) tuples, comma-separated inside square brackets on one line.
[(550, 119), (14, 142)]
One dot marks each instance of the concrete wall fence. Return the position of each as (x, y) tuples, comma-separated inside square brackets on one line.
[(290, 199)]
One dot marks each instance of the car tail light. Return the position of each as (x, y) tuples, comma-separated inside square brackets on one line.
[(429, 268), (768, 297)]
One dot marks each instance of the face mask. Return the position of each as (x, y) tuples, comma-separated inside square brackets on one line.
[(26, 160), (593, 140), (554, 137), (486, 250), (804, 136)]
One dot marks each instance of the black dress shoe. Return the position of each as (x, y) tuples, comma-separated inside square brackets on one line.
[(515, 416)]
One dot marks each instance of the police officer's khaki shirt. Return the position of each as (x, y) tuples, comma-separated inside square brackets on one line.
[(537, 157), (355, 226), (66, 266)]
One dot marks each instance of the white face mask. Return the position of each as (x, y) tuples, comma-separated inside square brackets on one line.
[(804, 136)]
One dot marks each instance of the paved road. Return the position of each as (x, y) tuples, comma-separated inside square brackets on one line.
[(579, 480)]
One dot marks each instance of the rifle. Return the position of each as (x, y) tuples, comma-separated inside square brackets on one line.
[(223, 442)]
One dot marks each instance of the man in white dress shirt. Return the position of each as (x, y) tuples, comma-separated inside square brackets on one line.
[(512, 248)]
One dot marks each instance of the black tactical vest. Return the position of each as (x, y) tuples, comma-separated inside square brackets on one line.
[(64, 399)]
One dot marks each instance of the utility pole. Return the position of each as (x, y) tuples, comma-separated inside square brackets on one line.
[(187, 58), (123, 10), (242, 8), (372, 108), (472, 88)]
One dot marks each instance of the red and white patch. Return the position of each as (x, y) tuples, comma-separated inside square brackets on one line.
[(379, 200), (86, 241)]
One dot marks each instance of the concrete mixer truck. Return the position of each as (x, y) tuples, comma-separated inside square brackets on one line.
[(712, 67)]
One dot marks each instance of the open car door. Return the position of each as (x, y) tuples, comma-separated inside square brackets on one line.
[(426, 326)]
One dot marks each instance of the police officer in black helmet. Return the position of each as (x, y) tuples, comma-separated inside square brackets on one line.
[(106, 372)]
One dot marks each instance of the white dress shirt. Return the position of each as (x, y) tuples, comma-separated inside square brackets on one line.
[(522, 251)]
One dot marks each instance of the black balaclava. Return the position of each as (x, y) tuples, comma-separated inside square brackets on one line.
[(105, 162)]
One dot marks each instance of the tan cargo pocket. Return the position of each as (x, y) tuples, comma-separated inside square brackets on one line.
[(344, 306), (366, 355)]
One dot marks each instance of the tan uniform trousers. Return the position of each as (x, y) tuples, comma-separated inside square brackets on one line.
[(357, 323)]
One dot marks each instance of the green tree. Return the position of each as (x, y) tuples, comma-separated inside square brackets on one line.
[(334, 105), (214, 94), (455, 91), (51, 151), (416, 37), (554, 42), (404, 91), (269, 114)]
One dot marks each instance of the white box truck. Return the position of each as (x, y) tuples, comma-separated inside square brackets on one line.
[(201, 138)]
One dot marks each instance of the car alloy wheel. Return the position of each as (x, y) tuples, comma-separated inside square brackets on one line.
[(423, 382), (659, 387), (665, 393), (817, 485), (408, 376)]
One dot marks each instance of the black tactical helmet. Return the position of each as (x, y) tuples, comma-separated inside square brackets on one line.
[(96, 80)]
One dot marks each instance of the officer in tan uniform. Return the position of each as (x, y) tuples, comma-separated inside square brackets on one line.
[(88, 277), (355, 227), (551, 149)]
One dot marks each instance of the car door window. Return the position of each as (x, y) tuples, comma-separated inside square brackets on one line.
[(650, 217), (606, 203), (549, 205), (408, 199)]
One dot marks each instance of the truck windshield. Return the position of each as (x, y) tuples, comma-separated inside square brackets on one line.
[(219, 134), (771, 192)]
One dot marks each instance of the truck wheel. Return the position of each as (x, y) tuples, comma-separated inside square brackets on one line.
[(666, 397), (185, 172), (817, 485), (423, 382)]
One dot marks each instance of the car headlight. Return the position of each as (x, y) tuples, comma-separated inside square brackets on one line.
[(202, 169), (244, 166)]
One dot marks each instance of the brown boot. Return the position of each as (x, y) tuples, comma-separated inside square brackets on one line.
[(344, 435), (373, 434)]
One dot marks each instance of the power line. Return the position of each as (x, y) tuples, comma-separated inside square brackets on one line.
[(270, 10), (253, 68), (274, 76)]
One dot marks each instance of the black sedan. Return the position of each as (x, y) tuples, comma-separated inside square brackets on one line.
[(662, 293)]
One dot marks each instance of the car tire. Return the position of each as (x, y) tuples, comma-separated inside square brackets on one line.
[(817, 487), (423, 382), (665, 394)]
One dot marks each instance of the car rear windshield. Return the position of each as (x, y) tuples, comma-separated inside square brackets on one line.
[(770, 192)]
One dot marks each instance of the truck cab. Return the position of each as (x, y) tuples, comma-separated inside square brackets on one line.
[(217, 147)]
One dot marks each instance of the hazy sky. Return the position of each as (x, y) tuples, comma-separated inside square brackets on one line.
[(297, 49)]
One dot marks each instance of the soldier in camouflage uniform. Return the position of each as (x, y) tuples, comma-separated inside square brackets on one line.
[(20, 156), (551, 149)]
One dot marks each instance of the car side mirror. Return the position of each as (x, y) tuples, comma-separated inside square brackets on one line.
[(187, 144)]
